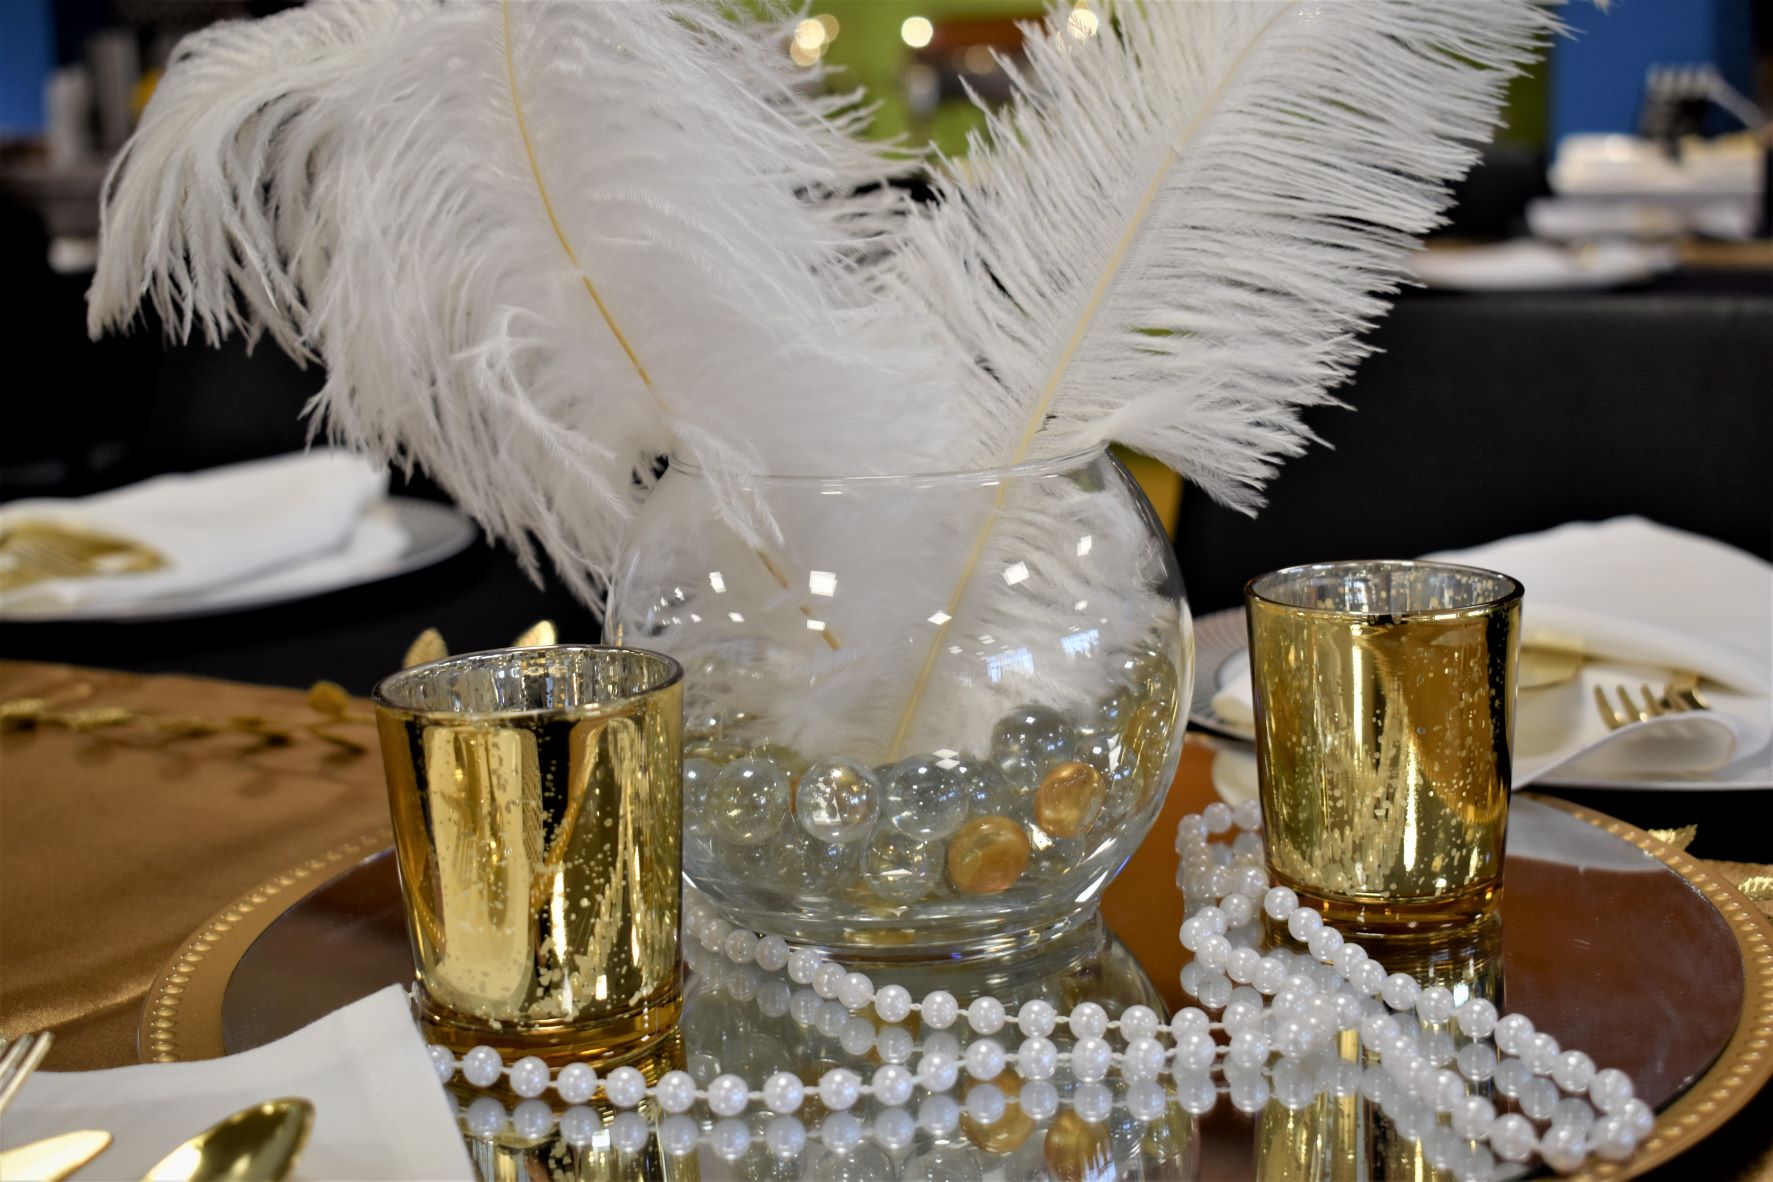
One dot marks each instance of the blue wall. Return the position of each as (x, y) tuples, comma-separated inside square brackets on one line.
[(1597, 73), (27, 54)]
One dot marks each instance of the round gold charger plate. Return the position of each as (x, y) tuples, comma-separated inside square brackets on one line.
[(348, 887), (182, 1018)]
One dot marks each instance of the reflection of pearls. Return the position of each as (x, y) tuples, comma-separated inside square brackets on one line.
[(1279, 1018)]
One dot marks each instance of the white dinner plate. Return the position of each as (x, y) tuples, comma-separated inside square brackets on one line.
[(1530, 265), (433, 532), (1221, 645), (1221, 650)]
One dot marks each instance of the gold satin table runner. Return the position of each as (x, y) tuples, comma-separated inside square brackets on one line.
[(116, 843)]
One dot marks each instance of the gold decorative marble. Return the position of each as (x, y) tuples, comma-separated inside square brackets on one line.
[(1076, 1150), (987, 855), (1070, 798), (1009, 1131)]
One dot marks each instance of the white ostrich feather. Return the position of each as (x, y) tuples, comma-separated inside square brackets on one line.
[(1174, 235), (209, 212), (537, 246)]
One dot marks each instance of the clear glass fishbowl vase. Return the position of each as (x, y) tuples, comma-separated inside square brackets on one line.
[(926, 715)]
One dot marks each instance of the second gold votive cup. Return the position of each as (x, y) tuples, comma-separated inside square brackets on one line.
[(536, 796), (1384, 703)]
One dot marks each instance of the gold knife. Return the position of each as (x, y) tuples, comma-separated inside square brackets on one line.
[(53, 1158)]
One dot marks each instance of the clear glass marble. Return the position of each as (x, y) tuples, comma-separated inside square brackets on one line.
[(748, 801), (1034, 732), (925, 797), (958, 637), (900, 868), (837, 800), (815, 867), (989, 792)]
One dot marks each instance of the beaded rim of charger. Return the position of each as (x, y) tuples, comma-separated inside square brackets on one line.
[(1278, 1011)]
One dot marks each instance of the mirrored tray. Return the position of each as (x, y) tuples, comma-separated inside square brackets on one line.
[(1608, 939)]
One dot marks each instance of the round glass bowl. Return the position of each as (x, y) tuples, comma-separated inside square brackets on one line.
[(926, 715)]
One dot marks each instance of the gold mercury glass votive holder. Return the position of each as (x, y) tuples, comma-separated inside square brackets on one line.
[(1385, 696), (536, 796)]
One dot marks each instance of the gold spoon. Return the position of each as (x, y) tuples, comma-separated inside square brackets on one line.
[(54, 1158), (260, 1144)]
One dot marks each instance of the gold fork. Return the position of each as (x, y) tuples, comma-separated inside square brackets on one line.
[(1680, 696), (34, 551)]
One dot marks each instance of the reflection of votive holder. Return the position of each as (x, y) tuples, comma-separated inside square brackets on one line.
[(537, 808), (1465, 958), (1341, 1135)]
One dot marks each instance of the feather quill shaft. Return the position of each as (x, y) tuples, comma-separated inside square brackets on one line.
[(1118, 258), (535, 171), (1037, 416)]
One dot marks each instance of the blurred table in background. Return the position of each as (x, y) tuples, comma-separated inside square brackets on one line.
[(1483, 416)]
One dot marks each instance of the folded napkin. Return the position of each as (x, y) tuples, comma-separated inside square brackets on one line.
[(211, 528), (1634, 591), (378, 1110), (1638, 599)]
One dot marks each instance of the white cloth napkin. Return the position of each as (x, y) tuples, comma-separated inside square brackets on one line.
[(214, 528), (1639, 599), (1634, 591), (378, 1110)]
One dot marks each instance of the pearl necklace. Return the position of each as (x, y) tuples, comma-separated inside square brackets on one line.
[(1288, 1003)]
